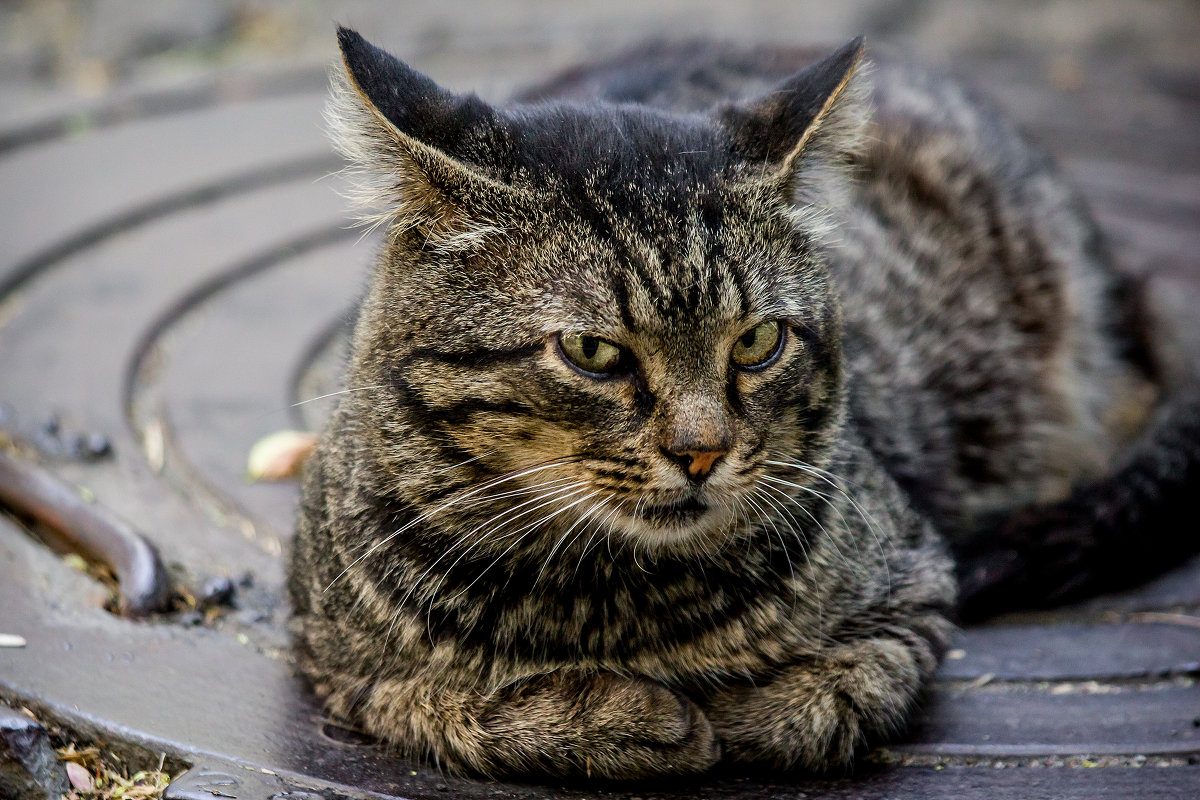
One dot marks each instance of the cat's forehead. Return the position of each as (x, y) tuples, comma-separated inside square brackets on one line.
[(657, 231), (654, 187), (617, 149), (702, 282)]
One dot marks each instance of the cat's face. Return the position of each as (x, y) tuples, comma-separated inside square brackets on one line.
[(604, 317), (660, 366)]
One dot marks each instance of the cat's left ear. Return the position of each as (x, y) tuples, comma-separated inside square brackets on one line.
[(422, 157), (814, 118)]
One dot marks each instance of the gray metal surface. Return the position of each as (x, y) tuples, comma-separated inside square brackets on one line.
[(179, 276)]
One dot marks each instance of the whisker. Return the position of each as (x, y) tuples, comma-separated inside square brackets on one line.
[(557, 491), (822, 637), (427, 515), (533, 489), (872, 525), (563, 538), (835, 482), (335, 394), (487, 498), (787, 556), (505, 516), (824, 498), (525, 531), (463, 463), (588, 544), (798, 529), (605, 522)]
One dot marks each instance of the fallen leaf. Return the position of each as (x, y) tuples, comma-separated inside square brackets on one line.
[(982, 680), (280, 455), (80, 778), (154, 445)]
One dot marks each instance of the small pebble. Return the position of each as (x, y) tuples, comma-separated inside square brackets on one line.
[(190, 619), (51, 425), (246, 580), (90, 447), (98, 446), (253, 617), (217, 591)]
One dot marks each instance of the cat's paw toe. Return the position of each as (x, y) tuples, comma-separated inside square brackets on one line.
[(651, 730), (682, 733)]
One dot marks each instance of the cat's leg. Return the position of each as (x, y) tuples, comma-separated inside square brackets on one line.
[(817, 713), (567, 722), (883, 621)]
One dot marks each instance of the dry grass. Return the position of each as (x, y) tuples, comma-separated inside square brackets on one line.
[(95, 777)]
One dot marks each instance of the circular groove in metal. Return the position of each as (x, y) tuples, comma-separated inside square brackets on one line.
[(304, 355), (142, 215), (138, 382)]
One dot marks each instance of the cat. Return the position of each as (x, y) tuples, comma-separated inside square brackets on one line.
[(675, 385)]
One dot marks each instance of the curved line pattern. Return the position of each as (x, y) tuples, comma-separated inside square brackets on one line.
[(325, 339), (136, 380), (150, 212), (148, 103)]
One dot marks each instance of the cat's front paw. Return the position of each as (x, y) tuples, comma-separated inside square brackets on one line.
[(565, 723), (818, 714), (604, 725)]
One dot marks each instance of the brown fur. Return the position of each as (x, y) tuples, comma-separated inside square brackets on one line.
[(500, 564)]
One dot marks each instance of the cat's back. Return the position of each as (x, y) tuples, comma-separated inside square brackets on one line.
[(994, 351)]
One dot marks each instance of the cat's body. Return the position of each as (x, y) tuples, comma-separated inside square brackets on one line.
[(666, 410), (1018, 356)]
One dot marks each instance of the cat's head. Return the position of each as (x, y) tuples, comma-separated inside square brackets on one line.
[(617, 316)]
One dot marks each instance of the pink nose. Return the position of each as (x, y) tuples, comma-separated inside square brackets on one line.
[(697, 463)]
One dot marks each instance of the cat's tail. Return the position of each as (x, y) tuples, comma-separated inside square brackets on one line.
[(1140, 521)]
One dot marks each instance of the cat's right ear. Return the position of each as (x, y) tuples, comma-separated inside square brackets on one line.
[(810, 122), (419, 154)]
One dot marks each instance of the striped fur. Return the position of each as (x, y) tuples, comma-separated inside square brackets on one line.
[(501, 566)]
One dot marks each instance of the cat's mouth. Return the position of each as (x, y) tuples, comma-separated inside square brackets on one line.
[(681, 521), (683, 511)]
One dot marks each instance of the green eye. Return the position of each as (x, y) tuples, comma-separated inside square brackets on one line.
[(758, 346), (590, 354)]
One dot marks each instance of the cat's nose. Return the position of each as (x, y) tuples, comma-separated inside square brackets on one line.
[(696, 464), (699, 431)]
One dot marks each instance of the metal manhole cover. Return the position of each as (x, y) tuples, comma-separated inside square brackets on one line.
[(182, 309)]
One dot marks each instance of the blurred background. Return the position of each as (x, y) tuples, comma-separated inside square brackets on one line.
[(177, 275), (51, 50)]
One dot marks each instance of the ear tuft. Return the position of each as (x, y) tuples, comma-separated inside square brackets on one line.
[(805, 132), (412, 102), (819, 111), (416, 151)]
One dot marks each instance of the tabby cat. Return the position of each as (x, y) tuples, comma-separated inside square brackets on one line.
[(667, 404)]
